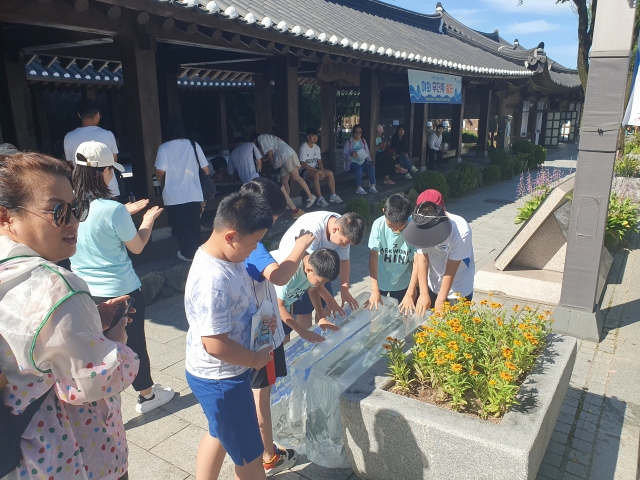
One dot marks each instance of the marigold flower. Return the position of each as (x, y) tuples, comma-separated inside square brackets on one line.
[(422, 354), (469, 339), (419, 341), (533, 341), (518, 343), (510, 366), (450, 356), (506, 376), (483, 302), (473, 373), (468, 356), (441, 334), (476, 320), (527, 308), (507, 353), (440, 362), (453, 345), (492, 382), (386, 346), (516, 308), (456, 329), (456, 367), (500, 323), (495, 305), (522, 326), (389, 339)]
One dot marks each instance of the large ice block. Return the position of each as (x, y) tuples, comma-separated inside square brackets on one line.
[(305, 404)]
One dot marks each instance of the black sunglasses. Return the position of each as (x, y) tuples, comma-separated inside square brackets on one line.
[(62, 212)]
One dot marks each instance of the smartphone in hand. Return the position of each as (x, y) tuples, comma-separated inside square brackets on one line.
[(122, 311)]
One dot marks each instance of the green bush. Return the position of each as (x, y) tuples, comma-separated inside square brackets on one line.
[(463, 179), (518, 162), (539, 156), (530, 206), (490, 174), (621, 219), (360, 206), (627, 166), (431, 179), (413, 196), (469, 137), (523, 146), (631, 144), (503, 160)]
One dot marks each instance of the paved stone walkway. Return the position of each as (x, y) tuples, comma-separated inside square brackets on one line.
[(596, 435)]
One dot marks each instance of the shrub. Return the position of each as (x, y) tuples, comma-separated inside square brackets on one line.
[(469, 137), (473, 357), (503, 160), (490, 174), (631, 144), (532, 191), (539, 156), (431, 179), (413, 196), (518, 162), (359, 205), (627, 166), (463, 179), (523, 146), (621, 219)]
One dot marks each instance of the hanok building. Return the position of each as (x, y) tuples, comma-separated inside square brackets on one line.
[(236, 66)]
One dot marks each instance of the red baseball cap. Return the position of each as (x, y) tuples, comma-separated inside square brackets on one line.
[(431, 195)]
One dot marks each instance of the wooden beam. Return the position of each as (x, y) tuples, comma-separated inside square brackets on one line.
[(29, 38), (142, 18), (168, 23), (16, 114), (328, 124), (369, 103), (420, 117), (193, 73), (286, 97), (220, 105), (80, 5), (49, 61), (262, 101), (114, 12), (191, 29)]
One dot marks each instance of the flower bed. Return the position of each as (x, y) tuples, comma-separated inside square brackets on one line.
[(471, 358)]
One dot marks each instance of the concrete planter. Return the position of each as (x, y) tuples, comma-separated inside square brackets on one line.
[(388, 436)]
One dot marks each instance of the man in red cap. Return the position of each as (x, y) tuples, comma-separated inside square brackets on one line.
[(444, 258)]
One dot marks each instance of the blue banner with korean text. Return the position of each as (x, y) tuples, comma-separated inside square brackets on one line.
[(429, 87)]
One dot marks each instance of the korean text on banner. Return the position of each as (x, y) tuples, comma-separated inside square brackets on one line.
[(428, 87)]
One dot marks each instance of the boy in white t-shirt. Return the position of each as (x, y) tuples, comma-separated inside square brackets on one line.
[(444, 258), (313, 171), (219, 304)]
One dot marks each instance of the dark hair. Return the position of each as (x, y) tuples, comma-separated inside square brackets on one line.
[(325, 264), (439, 126), (174, 129), (19, 175), (357, 125), (397, 208), (427, 208), (270, 191), (352, 226), (255, 136), (246, 213), (400, 127), (239, 139), (89, 182), (87, 108), (312, 131), (218, 163)]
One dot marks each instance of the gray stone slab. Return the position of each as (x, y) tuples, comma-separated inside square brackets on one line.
[(146, 466), (152, 428)]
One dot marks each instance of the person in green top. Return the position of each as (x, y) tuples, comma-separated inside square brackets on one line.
[(315, 270), (391, 258)]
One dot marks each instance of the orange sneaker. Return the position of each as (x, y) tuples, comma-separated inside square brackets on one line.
[(281, 461)]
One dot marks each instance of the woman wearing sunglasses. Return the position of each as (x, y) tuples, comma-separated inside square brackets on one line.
[(102, 261), (64, 375)]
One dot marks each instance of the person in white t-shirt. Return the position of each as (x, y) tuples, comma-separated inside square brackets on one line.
[(89, 113), (177, 165), (245, 159), (313, 170), (435, 147), (445, 260)]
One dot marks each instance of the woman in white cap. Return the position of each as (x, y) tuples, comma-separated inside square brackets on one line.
[(101, 257)]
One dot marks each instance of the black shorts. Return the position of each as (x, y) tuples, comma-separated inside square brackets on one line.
[(259, 378)]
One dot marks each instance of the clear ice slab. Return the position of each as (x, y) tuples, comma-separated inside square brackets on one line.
[(305, 404)]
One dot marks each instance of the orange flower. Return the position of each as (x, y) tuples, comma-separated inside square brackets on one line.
[(450, 356), (453, 346), (456, 367), (468, 356), (422, 354), (516, 308), (386, 346), (476, 320), (469, 339), (419, 341), (510, 366), (473, 373), (483, 302), (517, 343), (456, 329), (506, 376), (492, 382), (440, 362), (507, 353)]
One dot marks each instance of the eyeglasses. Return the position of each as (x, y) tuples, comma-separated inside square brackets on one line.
[(356, 132), (62, 212)]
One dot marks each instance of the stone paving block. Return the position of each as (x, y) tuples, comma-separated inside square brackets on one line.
[(548, 470), (150, 429), (176, 370), (312, 471), (162, 333), (146, 466), (186, 407), (181, 448), (577, 469), (179, 343), (552, 458), (165, 313), (161, 355), (160, 376)]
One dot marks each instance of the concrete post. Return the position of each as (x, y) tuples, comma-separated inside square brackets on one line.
[(584, 272)]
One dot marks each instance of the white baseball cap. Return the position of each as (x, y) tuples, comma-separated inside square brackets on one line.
[(8, 149), (96, 155)]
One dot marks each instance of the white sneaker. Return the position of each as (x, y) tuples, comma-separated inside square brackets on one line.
[(361, 191), (322, 202), (413, 169), (311, 201), (373, 189), (408, 176), (183, 258), (335, 198), (159, 396)]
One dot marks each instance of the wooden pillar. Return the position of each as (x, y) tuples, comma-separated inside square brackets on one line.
[(420, 137), (16, 112), (409, 113), (116, 115), (221, 123), (483, 121), (328, 124), (456, 127), (168, 94), (138, 55), (42, 120), (262, 92), (369, 105), (286, 99)]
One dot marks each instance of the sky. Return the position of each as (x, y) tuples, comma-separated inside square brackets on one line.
[(531, 23)]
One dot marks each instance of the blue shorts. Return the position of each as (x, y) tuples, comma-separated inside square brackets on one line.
[(230, 409), (303, 305)]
